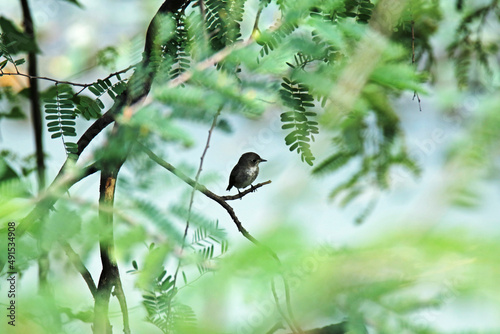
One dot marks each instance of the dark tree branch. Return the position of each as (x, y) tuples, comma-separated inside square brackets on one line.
[(294, 326), (36, 113), (109, 268), (243, 193), (48, 198), (415, 93), (36, 117), (205, 191), (138, 87), (120, 295), (203, 12), (110, 274), (339, 328), (128, 97), (77, 262)]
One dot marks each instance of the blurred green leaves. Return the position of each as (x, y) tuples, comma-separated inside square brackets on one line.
[(378, 285), (13, 40), (299, 70)]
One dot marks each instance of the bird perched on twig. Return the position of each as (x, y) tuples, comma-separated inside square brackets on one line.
[(245, 171)]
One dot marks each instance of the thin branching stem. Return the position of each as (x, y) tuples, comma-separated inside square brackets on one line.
[(64, 82), (191, 200), (278, 307), (203, 10), (415, 93), (232, 214), (80, 266)]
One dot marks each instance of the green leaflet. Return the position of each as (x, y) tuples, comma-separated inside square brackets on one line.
[(296, 96), (60, 117)]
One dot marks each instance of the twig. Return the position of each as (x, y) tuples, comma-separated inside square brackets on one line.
[(209, 62), (191, 200), (47, 199), (202, 189), (243, 193), (44, 78), (257, 17), (203, 14), (108, 77), (77, 262), (289, 308), (120, 295), (278, 306), (64, 82), (277, 326), (110, 274), (415, 93), (146, 77), (232, 214)]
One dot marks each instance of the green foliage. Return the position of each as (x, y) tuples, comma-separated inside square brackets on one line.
[(177, 47), (8, 98), (296, 96), (151, 121), (91, 108), (370, 144), (60, 117), (203, 243), (270, 40), (208, 92), (470, 46), (107, 57), (474, 156), (160, 219), (6, 48), (163, 311), (158, 301), (294, 68), (361, 10), (14, 41), (223, 20)]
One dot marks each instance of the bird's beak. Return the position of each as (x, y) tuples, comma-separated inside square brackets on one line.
[(263, 160)]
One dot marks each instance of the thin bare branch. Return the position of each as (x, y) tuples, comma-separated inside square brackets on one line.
[(59, 82), (80, 266), (232, 214), (191, 200), (415, 93), (120, 295), (243, 193), (203, 10), (278, 306)]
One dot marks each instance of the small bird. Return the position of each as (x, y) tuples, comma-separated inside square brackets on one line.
[(245, 171)]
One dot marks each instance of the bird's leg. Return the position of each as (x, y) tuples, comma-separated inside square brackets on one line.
[(238, 192), (253, 188)]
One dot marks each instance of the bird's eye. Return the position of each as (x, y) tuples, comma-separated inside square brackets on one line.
[(254, 160)]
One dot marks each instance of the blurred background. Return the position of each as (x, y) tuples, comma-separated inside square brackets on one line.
[(452, 138)]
